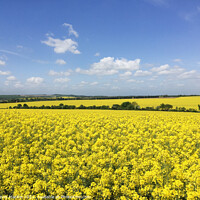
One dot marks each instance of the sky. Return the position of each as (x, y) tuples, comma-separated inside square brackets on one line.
[(100, 47)]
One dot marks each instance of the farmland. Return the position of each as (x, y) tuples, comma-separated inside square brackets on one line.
[(187, 102), (100, 154)]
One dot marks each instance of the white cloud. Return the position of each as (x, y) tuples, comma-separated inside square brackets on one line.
[(148, 64), (125, 74), (61, 80), (135, 81), (35, 80), (85, 83), (132, 80), (71, 30), (174, 70), (153, 78), (177, 60), (2, 63), (11, 53), (167, 70), (54, 73), (62, 46), (97, 71), (18, 85), (107, 84), (49, 34), (11, 78), (4, 73), (60, 62), (161, 68), (97, 54), (189, 74), (94, 83), (142, 73), (115, 88), (110, 66), (11, 81)]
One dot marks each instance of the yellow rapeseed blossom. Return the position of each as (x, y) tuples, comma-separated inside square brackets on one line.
[(187, 102), (100, 154)]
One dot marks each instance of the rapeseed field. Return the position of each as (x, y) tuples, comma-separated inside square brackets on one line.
[(187, 102), (100, 154)]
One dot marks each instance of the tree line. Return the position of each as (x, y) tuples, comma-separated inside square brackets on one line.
[(21, 98), (123, 106)]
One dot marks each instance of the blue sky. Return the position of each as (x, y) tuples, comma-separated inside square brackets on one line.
[(100, 47)]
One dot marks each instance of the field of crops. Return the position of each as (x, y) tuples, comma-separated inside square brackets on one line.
[(100, 154), (187, 102)]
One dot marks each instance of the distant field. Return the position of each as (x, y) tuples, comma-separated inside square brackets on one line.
[(187, 102)]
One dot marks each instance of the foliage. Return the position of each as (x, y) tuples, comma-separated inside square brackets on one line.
[(165, 107), (124, 106)]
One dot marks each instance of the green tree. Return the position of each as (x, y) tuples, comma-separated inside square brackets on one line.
[(116, 107)]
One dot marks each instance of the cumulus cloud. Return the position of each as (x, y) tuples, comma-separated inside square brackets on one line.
[(60, 62), (54, 73), (142, 73), (161, 68), (61, 80), (35, 80), (2, 63), (62, 46), (174, 70), (110, 66), (11, 78), (71, 30), (5, 73), (167, 70)]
